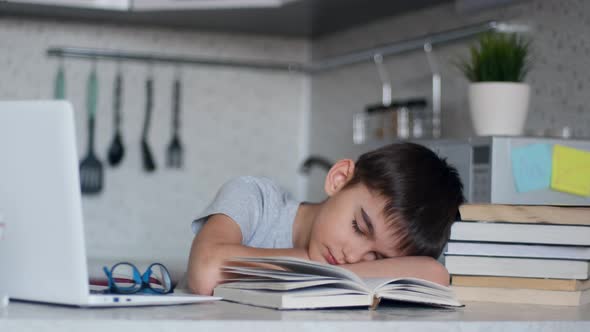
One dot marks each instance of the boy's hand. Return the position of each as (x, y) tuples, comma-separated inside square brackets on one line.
[(221, 239), (397, 267)]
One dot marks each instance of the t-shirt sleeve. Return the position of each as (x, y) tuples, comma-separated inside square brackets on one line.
[(241, 200)]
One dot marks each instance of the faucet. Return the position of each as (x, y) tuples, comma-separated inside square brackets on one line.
[(315, 160)]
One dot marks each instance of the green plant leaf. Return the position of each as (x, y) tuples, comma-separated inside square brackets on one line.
[(497, 57)]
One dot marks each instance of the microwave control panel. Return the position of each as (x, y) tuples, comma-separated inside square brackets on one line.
[(481, 175)]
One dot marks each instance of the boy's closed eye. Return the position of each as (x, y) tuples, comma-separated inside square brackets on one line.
[(365, 226), (356, 228)]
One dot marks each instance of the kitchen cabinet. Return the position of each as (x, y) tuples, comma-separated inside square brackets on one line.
[(294, 18)]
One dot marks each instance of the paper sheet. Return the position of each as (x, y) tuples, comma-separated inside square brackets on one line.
[(531, 167), (571, 170)]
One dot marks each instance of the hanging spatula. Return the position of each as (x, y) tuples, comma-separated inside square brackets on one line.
[(174, 150), (91, 170), (149, 165), (116, 149)]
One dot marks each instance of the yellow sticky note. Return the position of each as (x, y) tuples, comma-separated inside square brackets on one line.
[(571, 170)]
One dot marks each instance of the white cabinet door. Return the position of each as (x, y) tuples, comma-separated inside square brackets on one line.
[(93, 4), (144, 5)]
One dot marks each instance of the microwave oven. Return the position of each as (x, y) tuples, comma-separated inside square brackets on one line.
[(484, 165)]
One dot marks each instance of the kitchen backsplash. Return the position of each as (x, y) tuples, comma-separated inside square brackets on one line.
[(560, 78), (241, 121), (234, 122)]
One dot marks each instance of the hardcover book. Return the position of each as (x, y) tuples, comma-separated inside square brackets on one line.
[(523, 283), (530, 296), (520, 233), (518, 267), (518, 250), (526, 213)]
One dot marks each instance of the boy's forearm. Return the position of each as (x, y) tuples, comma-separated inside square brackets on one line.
[(206, 261), (411, 266)]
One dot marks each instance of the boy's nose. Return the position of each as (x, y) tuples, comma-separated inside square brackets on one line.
[(350, 258), (358, 254)]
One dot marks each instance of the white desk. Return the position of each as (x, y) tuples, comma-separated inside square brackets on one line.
[(225, 316)]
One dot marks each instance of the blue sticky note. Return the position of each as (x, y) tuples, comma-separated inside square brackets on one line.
[(531, 167)]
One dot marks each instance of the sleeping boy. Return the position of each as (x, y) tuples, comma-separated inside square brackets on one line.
[(388, 214)]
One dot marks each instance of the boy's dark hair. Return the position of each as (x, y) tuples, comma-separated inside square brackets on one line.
[(422, 191)]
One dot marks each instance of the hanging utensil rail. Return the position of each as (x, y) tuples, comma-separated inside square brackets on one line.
[(93, 53), (322, 65), (407, 45)]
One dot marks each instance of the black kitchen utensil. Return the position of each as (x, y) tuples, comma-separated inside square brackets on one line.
[(174, 151), (91, 170), (116, 149), (149, 165)]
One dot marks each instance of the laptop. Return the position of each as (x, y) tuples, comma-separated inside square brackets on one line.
[(42, 248)]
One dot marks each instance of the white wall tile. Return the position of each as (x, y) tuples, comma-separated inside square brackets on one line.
[(234, 122), (559, 79)]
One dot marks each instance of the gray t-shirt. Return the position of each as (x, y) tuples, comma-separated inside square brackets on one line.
[(264, 211)]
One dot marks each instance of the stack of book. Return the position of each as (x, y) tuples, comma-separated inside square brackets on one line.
[(521, 254)]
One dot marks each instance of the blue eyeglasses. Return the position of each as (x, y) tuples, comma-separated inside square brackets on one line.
[(124, 278)]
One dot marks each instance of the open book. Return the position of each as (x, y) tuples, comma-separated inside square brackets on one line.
[(303, 284)]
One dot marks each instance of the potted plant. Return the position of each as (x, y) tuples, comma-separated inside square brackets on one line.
[(498, 96)]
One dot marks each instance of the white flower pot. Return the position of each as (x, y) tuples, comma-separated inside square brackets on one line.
[(499, 108)]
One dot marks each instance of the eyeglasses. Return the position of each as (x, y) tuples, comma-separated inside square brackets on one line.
[(124, 278)]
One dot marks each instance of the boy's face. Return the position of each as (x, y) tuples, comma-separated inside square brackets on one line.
[(350, 226)]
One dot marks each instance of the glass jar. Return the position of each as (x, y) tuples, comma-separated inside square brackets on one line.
[(375, 122), (421, 118), (401, 118)]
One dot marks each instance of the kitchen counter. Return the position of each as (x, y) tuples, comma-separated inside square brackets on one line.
[(225, 316)]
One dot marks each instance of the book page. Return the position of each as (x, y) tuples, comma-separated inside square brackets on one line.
[(384, 283), (273, 274), (305, 267), (414, 290), (287, 285)]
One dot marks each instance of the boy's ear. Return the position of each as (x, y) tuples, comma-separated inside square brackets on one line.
[(338, 176)]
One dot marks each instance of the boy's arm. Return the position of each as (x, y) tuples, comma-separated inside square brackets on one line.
[(220, 238), (410, 266)]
